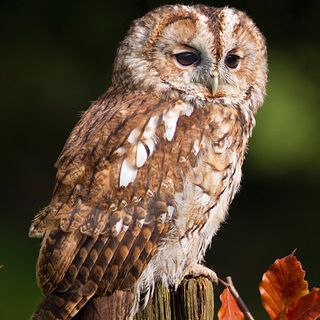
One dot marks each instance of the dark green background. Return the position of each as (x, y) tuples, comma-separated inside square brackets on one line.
[(56, 57)]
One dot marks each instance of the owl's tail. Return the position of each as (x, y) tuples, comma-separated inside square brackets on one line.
[(60, 306), (64, 306)]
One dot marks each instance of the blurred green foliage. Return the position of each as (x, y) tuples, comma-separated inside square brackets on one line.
[(57, 56), (288, 128)]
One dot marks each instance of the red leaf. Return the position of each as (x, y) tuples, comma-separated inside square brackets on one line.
[(307, 307), (229, 308), (282, 285)]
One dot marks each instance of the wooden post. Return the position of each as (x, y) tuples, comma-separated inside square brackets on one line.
[(192, 301)]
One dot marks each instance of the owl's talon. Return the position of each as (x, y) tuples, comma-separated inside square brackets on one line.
[(197, 270)]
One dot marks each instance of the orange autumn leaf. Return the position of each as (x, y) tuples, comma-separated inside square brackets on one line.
[(307, 307), (229, 308), (282, 285)]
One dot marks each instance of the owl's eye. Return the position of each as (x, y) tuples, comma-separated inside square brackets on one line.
[(232, 60), (187, 58)]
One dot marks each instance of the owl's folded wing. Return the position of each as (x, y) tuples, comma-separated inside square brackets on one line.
[(114, 197)]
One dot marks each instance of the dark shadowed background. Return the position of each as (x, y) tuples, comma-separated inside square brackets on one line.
[(56, 57)]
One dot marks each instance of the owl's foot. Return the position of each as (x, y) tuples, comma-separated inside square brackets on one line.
[(197, 270)]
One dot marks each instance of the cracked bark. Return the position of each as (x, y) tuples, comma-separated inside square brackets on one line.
[(193, 300)]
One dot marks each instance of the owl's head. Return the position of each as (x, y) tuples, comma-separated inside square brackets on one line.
[(195, 52)]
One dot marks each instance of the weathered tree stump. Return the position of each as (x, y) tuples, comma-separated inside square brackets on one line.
[(192, 301)]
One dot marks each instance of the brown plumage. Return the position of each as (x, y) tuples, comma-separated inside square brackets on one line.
[(146, 177)]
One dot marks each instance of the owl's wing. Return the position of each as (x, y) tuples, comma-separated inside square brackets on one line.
[(114, 197)]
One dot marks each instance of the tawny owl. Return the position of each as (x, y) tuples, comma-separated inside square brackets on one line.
[(146, 177)]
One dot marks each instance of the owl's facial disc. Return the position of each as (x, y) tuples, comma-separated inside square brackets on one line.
[(198, 53), (195, 66)]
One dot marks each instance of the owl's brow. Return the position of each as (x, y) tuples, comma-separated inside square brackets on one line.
[(159, 27)]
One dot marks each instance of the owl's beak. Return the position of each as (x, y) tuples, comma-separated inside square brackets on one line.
[(214, 82)]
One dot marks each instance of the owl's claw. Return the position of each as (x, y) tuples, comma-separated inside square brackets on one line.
[(197, 270)]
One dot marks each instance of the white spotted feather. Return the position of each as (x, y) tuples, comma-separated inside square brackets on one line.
[(128, 173), (142, 155)]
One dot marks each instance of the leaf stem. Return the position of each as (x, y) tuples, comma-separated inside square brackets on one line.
[(237, 296)]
